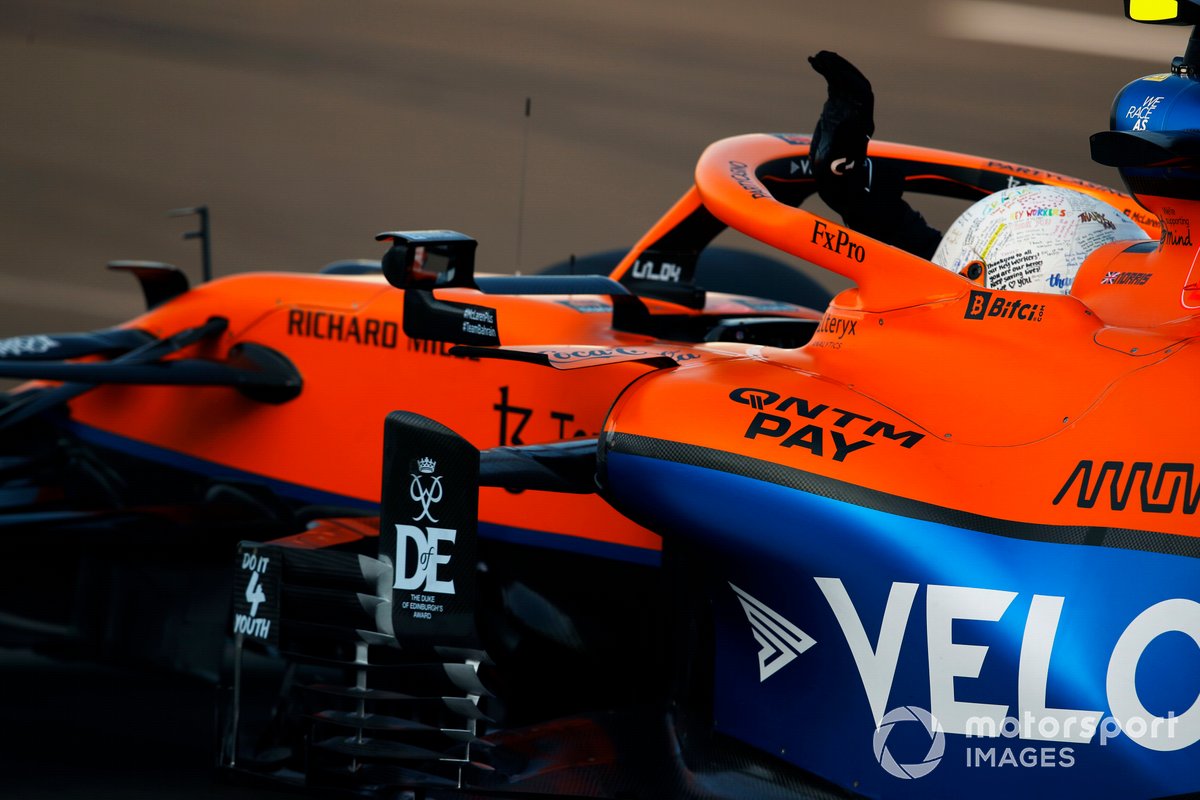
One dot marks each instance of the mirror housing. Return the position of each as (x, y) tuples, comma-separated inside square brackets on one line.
[(429, 259)]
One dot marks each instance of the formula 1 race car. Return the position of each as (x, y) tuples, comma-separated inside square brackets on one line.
[(944, 547), (618, 536), (251, 407)]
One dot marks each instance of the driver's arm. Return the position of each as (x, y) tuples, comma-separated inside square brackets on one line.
[(869, 200)]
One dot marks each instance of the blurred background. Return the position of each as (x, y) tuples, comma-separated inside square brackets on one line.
[(308, 126)]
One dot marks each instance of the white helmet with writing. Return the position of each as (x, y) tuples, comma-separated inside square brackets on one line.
[(1032, 238)]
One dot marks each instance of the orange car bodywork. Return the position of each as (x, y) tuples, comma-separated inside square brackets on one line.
[(991, 409), (345, 336), (1018, 406), (901, 349), (964, 513)]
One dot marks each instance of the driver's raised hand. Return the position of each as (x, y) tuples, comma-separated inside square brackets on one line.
[(839, 144), (869, 199)]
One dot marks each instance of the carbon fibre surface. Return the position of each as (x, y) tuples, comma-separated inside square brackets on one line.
[(758, 469)]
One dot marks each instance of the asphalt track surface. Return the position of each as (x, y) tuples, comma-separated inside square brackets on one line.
[(309, 126)]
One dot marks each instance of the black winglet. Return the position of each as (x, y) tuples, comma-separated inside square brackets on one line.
[(160, 282), (567, 467), (428, 529)]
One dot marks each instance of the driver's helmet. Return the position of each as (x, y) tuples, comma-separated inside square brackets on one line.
[(1149, 109), (1031, 238)]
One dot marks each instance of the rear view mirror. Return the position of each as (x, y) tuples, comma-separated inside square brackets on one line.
[(429, 259)]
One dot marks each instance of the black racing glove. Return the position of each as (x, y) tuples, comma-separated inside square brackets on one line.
[(869, 200), (839, 143)]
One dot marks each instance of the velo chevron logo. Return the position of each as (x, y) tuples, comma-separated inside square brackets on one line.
[(781, 641)]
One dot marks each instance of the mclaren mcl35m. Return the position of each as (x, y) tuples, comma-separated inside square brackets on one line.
[(945, 546), (251, 407)]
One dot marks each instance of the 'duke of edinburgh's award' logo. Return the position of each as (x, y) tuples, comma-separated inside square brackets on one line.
[(425, 495)]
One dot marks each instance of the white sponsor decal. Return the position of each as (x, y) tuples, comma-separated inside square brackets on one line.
[(781, 641), (251, 624), (423, 574), (26, 345), (953, 665), (1141, 113), (426, 496), (651, 271)]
